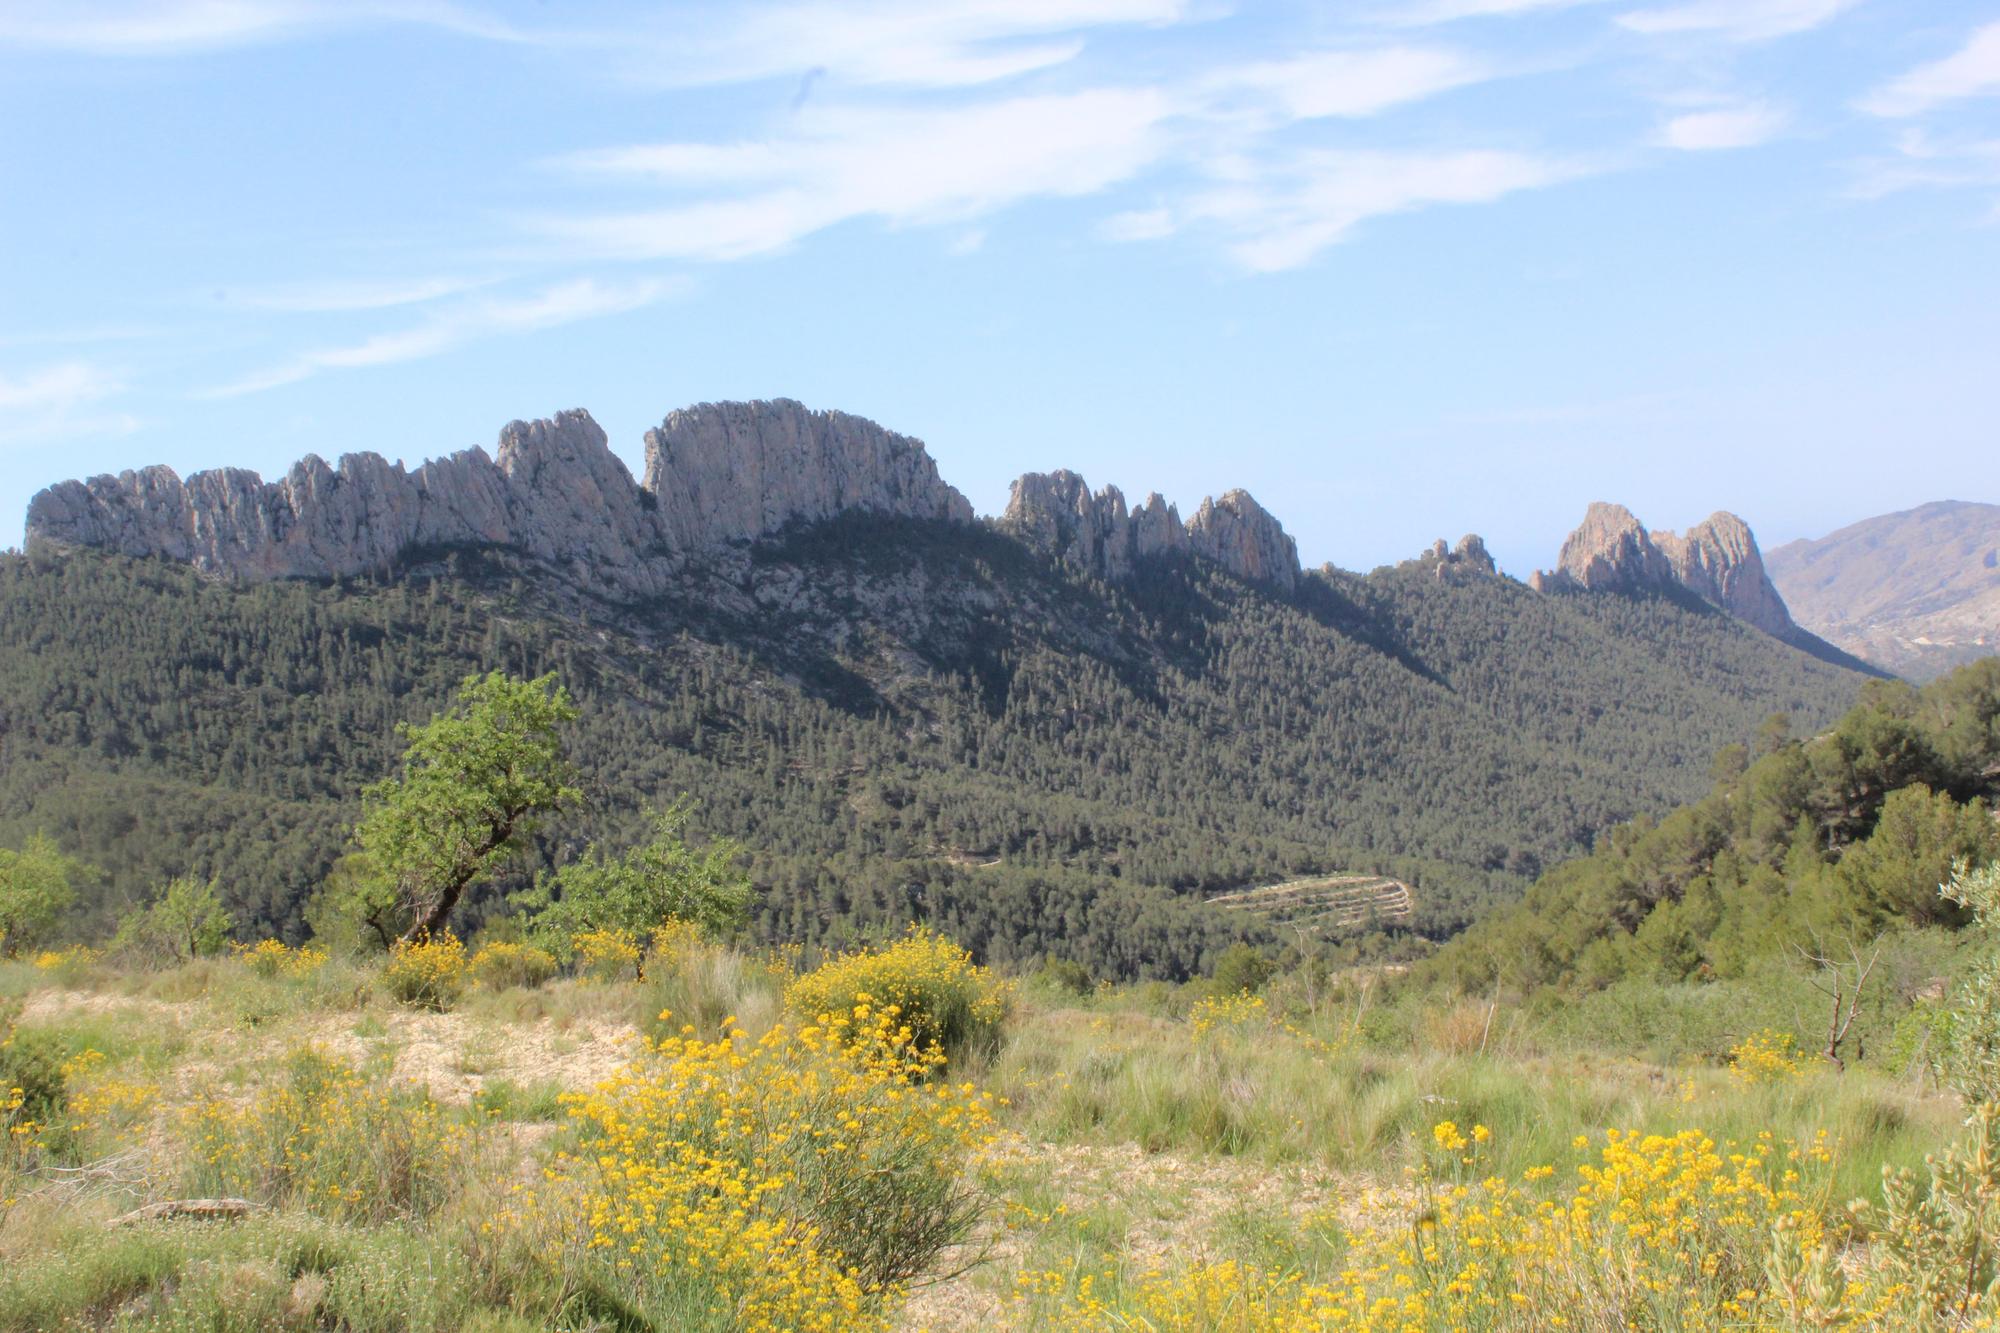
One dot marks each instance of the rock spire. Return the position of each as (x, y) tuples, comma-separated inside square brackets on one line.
[(1056, 513), (1716, 560)]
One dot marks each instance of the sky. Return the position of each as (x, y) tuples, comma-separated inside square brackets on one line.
[(1401, 268)]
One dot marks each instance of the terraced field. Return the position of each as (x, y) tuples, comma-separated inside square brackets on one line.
[(1327, 904)]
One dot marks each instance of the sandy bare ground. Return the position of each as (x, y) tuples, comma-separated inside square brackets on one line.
[(454, 1055), (1170, 1207)]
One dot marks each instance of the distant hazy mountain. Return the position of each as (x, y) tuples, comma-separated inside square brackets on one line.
[(1916, 592)]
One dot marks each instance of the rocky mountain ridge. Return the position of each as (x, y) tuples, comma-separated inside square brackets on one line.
[(1056, 513), (1717, 560), (720, 476), (717, 475)]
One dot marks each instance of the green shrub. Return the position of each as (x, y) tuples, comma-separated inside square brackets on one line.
[(34, 1091)]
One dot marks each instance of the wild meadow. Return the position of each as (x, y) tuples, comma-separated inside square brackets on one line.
[(450, 1137)]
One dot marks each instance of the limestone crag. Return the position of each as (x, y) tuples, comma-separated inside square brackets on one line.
[(1717, 560), (729, 472), (553, 491), (1469, 558), (1056, 513), (1611, 549)]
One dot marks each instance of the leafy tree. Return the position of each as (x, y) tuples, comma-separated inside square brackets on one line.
[(36, 888), (474, 783), (1969, 1050), (1242, 968), (661, 880), (186, 921), (1919, 836), (356, 908)]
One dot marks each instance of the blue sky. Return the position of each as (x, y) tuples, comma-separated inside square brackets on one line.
[(1402, 268)]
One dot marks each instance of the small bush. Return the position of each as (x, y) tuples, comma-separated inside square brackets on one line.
[(272, 959), (500, 965), (430, 974), (607, 955), (949, 1004), (67, 967), (333, 1142), (770, 1184), (34, 1094)]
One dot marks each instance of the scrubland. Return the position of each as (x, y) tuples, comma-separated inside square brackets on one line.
[(897, 1139)]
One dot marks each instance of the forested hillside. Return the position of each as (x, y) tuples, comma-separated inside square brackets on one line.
[(901, 719), (1807, 846)]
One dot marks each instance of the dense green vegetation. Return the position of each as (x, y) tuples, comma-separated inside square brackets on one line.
[(901, 721), (1810, 856)]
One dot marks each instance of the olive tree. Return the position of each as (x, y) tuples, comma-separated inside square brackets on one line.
[(474, 782)]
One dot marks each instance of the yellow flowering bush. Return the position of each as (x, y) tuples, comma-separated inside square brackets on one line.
[(774, 1184), (1765, 1057), (501, 964), (949, 1004), (271, 958), (1237, 1013), (99, 1100), (607, 954), (429, 974), (66, 966), (332, 1141), (675, 940)]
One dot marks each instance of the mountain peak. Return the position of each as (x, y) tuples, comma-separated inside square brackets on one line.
[(1056, 513), (1717, 560)]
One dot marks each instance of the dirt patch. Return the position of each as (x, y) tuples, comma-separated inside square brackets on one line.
[(1173, 1204)]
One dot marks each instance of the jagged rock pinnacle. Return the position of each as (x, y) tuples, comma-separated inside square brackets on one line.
[(1717, 560), (1056, 513)]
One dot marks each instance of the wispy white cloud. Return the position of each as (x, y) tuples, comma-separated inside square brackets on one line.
[(1351, 83), (1737, 20), (1743, 126), (906, 43), (1428, 12), (903, 167), (1281, 215), (1971, 71), (1922, 161), (564, 303), (177, 27), (58, 401), (318, 298)]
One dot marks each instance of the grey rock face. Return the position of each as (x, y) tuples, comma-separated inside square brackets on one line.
[(1240, 535), (554, 491), (1717, 560), (728, 472), (1056, 513)]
